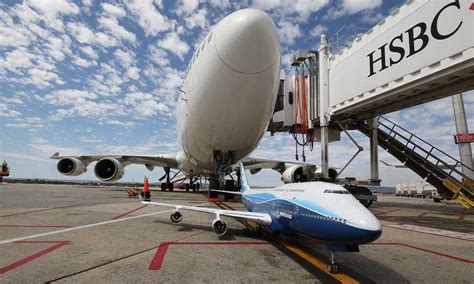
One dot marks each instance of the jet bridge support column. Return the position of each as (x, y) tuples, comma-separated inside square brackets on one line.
[(465, 151), (374, 155), (324, 104)]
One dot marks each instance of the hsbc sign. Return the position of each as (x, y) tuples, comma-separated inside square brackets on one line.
[(412, 44), (412, 41)]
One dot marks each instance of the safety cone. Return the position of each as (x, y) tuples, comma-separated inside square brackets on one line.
[(146, 190)]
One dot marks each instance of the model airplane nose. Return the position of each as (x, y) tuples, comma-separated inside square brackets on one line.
[(247, 41)]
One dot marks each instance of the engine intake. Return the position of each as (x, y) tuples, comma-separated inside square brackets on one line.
[(109, 169), (71, 167), (176, 217), (219, 227), (294, 174)]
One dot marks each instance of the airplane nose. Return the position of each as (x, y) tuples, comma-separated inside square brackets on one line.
[(247, 41)]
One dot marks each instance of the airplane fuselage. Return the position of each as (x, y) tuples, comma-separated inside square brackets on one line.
[(229, 92), (323, 211)]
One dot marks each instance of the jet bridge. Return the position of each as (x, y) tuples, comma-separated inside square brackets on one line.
[(421, 52)]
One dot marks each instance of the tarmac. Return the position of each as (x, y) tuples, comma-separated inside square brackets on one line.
[(64, 233)]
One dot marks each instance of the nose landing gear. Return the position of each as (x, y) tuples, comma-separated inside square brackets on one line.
[(333, 267)]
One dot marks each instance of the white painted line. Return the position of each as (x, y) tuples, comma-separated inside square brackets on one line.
[(433, 231), (85, 226)]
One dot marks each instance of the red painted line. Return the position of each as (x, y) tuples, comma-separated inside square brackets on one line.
[(35, 226), (463, 213), (213, 200), (40, 210), (444, 236), (385, 212), (128, 212), (159, 257), (426, 250), (423, 214), (34, 256)]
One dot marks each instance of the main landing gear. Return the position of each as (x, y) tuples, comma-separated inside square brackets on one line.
[(194, 184), (166, 185), (333, 267)]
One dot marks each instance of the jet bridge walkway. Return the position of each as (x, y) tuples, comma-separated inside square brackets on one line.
[(431, 163)]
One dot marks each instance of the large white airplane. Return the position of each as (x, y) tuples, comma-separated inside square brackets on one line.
[(224, 107), (323, 211)]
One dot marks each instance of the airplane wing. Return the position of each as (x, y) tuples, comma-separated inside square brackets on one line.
[(150, 161), (261, 218)]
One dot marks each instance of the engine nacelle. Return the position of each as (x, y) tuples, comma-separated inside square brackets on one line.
[(176, 217), (219, 227), (71, 167), (109, 169), (295, 174)]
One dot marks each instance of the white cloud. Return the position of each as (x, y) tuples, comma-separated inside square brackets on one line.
[(114, 10), (149, 18), (354, 6), (125, 57), (115, 29), (174, 44), (51, 9), (158, 55), (67, 97), (288, 32), (6, 112), (318, 30), (197, 19), (144, 104), (303, 8), (43, 78), (133, 73), (187, 6), (82, 62), (84, 34), (89, 51)]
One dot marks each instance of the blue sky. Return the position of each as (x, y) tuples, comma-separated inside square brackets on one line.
[(90, 77)]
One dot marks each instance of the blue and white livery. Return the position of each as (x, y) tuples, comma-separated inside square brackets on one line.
[(323, 211)]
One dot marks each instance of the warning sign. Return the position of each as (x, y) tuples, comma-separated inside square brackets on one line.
[(464, 138)]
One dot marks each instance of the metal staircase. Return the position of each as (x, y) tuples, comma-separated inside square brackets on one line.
[(431, 163)]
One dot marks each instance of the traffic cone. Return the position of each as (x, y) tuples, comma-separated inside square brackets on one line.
[(146, 190)]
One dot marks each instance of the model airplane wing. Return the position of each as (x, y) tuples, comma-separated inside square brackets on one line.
[(260, 218)]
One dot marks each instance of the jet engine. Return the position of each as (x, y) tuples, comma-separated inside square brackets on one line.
[(71, 167), (109, 169), (219, 227), (176, 217), (296, 174)]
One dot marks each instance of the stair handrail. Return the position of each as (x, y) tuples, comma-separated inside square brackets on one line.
[(431, 145)]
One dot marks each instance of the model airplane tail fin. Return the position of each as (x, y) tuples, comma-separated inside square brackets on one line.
[(243, 179)]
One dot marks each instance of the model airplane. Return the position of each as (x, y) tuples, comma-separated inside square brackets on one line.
[(323, 211), (224, 107)]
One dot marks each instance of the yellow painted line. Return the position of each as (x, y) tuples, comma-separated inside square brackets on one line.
[(343, 278)]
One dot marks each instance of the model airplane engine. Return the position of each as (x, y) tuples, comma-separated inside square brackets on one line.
[(109, 169), (297, 174), (219, 227), (176, 217), (71, 167)]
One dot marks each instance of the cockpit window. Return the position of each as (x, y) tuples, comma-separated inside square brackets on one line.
[(336, 191)]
